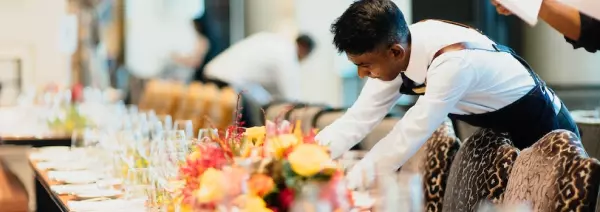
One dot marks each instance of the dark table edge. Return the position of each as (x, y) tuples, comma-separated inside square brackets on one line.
[(41, 183)]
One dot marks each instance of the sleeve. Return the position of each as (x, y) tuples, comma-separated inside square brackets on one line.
[(447, 84), (374, 102), (589, 38)]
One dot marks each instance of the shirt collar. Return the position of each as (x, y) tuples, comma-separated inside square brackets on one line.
[(417, 65)]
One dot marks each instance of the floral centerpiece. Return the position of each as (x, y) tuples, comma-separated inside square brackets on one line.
[(256, 169)]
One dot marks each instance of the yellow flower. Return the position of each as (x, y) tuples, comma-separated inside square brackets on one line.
[(251, 203), (308, 159), (211, 186), (256, 134), (279, 144), (195, 155)]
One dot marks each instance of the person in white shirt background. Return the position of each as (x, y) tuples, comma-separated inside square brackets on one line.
[(459, 72), (269, 60)]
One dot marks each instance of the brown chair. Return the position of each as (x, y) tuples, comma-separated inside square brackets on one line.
[(148, 98), (433, 162), (224, 113), (326, 117), (306, 115), (277, 110), (479, 171), (13, 195), (555, 174)]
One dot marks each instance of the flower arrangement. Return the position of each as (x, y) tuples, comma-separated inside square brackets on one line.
[(256, 169)]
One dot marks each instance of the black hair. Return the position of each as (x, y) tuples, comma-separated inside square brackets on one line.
[(368, 24), (307, 42)]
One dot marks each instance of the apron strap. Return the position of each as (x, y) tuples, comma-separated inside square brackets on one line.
[(491, 48), (455, 23)]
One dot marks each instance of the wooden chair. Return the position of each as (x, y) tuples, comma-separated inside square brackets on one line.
[(148, 98), (210, 97), (13, 195), (433, 162), (554, 174), (224, 111), (479, 171)]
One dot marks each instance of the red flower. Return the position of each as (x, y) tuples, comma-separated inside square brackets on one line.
[(286, 198)]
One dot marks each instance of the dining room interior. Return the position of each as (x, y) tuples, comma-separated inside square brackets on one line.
[(115, 105)]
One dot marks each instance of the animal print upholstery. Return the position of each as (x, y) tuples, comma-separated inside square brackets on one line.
[(433, 161), (479, 171), (554, 174)]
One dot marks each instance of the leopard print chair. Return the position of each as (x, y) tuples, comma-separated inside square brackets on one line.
[(433, 162), (479, 171), (555, 174)]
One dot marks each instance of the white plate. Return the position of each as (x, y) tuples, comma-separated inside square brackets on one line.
[(62, 166), (98, 193), (72, 189), (73, 177)]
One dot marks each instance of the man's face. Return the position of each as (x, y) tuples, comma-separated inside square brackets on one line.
[(383, 63)]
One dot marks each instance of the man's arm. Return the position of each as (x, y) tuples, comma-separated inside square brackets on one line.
[(561, 17), (447, 84), (374, 102)]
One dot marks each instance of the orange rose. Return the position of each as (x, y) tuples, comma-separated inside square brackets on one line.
[(261, 185)]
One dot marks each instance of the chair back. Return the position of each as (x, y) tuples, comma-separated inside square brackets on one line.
[(277, 110), (326, 117), (554, 174), (479, 171), (306, 115), (433, 162)]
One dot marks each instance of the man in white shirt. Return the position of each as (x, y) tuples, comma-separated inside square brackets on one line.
[(267, 59), (468, 78)]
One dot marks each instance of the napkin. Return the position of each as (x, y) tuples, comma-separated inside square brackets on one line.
[(74, 177)]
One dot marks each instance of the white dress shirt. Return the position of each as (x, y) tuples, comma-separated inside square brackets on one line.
[(266, 59), (459, 82)]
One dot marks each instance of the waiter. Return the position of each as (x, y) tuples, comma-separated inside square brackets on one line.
[(266, 59), (458, 72)]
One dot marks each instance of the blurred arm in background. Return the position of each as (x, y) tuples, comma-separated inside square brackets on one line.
[(580, 30)]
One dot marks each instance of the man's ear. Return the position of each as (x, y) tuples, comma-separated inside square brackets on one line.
[(397, 50)]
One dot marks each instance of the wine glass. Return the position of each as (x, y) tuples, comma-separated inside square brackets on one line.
[(186, 125)]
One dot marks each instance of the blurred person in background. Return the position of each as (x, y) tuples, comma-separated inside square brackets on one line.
[(268, 60), (209, 44), (580, 30)]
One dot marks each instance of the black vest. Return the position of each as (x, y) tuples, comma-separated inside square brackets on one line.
[(526, 120)]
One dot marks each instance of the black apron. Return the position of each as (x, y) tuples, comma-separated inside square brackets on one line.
[(526, 120)]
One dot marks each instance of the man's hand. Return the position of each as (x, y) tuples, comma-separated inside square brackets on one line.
[(361, 175), (501, 9)]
